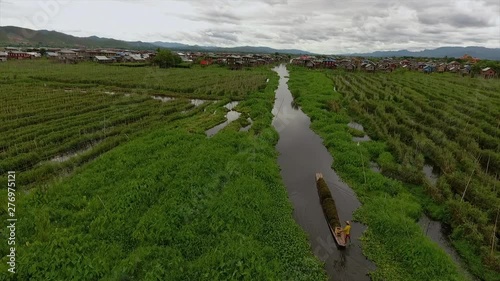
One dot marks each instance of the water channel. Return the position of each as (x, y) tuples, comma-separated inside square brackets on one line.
[(302, 154)]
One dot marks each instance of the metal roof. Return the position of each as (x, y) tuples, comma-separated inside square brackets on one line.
[(101, 58)]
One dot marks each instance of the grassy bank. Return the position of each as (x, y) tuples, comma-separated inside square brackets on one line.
[(169, 204), (393, 202)]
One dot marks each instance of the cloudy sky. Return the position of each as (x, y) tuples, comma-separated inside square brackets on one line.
[(323, 26)]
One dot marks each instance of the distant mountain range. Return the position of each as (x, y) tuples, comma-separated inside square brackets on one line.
[(455, 52), (17, 36), (242, 49)]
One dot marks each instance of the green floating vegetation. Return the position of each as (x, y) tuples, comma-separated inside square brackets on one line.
[(413, 120), (327, 203), (53, 110), (158, 200), (356, 133)]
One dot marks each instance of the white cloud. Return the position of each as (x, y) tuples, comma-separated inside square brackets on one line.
[(318, 25)]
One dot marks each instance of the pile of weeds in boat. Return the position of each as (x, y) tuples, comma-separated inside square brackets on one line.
[(327, 203)]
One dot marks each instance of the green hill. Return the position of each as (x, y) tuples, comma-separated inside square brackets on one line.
[(17, 36)]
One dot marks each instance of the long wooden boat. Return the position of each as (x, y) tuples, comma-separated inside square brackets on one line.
[(335, 230)]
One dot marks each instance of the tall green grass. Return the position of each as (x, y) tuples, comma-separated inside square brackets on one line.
[(170, 204), (393, 240)]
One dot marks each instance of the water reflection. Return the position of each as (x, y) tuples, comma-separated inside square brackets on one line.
[(430, 173), (197, 102), (162, 98), (246, 128), (301, 155), (362, 139), (231, 105), (356, 126), (230, 117), (437, 233)]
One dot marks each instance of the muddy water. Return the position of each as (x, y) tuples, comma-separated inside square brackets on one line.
[(302, 154)]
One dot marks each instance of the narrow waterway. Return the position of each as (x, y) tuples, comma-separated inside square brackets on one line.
[(302, 154), (230, 117), (437, 233)]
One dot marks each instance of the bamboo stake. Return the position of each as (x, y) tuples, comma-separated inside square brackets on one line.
[(496, 221), (103, 203), (470, 178), (362, 162), (488, 164), (494, 232)]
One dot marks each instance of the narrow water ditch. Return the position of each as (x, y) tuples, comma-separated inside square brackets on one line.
[(301, 155), (439, 234), (358, 127), (247, 128), (162, 98), (68, 155), (230, 117), (431, 173), (197, 102)]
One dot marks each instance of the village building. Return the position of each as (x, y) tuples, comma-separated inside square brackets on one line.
[(367, 66), (19, 55), (52, 55), (102, 59), (234, 62), (405, 63), (185, 58), (248, 60), (67, 54), (385, 67), (454, 64), (134, 58), (3, 56), (329, 63), (310, 64), (488, 72), (428, 68), (206, 62), (350, 67)]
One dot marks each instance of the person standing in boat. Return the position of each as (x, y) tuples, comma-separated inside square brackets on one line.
[(347, 231)]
